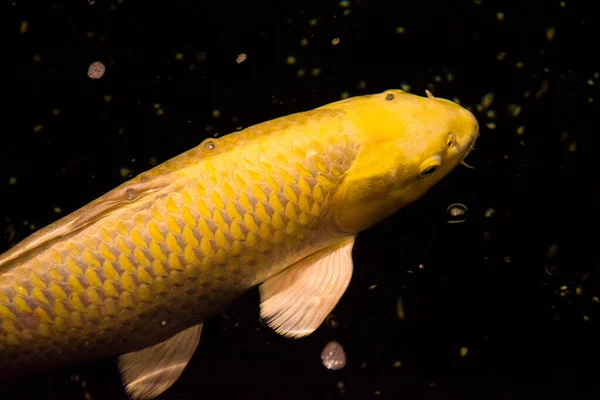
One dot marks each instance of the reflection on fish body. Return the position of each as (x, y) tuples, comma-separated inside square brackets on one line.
[(277, 205)]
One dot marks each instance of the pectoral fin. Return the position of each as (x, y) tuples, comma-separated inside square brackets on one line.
[(295, 302), (149, 372)]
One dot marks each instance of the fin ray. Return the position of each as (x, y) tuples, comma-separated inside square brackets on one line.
[(149, 372), (295, 302)]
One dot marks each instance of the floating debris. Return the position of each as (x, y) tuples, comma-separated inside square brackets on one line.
[(335, 41), (332, 321), (96, 70), (486, 102), (24, 27), (333, 356), (514, 109), (550, 33), (125, 172), (464, 351), (543, 89), (241, 58), (290, 60), (400, 309)]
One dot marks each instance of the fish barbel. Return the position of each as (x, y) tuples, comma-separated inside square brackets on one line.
[(277, 205)]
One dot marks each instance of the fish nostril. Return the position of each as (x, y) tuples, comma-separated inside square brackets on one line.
[(452, 141)]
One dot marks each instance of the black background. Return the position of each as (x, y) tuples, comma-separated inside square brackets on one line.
[(487, 284)]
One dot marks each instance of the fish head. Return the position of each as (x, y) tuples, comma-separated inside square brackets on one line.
[(406, 144)]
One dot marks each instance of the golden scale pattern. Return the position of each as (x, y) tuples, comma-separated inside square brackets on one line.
[(258, 196)]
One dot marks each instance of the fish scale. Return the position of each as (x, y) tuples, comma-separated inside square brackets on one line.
[(237, 210)]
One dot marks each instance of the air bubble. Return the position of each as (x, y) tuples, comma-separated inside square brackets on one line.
[(333, 356), (456, 213), (96, 70)]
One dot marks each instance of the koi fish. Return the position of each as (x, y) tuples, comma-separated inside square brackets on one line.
[(278, 205)]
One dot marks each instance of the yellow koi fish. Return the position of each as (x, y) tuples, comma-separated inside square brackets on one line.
[(137, 271)]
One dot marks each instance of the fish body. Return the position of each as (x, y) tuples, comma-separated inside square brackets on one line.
[(277, 205)]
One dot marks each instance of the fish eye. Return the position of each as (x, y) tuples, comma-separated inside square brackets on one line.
[(429, 170), (390, 97), (430, 166)]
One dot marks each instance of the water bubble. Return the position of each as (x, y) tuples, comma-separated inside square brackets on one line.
[(457, 212), (552, 252), (209, 145), (96, 70), (333, 356), (130, 194), (332, 321)]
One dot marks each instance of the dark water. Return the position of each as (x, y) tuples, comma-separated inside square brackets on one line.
[(506, 304)]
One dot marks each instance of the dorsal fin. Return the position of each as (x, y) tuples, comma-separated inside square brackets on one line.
[(127, 193)]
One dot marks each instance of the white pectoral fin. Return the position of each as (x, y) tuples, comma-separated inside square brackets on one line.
[(295, 302), (148, 372)]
